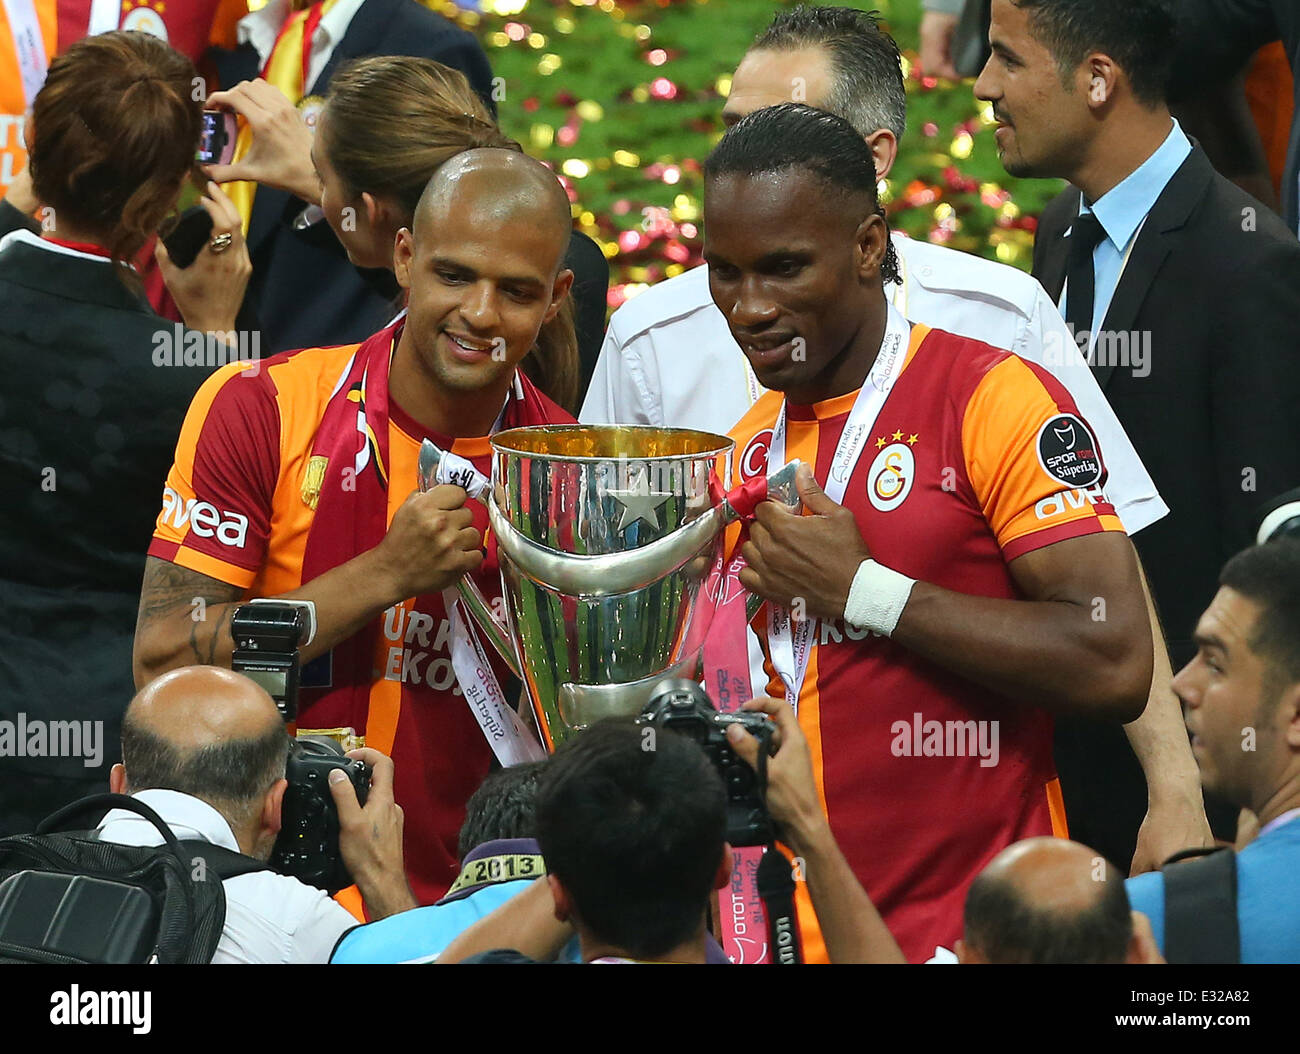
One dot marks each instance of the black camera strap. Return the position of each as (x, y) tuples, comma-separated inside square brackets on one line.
[(776, 886), (775, 882)]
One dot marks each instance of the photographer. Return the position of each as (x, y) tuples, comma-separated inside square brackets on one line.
[(206, 749), (633, 829), (499, 855)]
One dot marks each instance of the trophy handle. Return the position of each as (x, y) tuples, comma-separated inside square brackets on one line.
[(610, 574), (494, 627)]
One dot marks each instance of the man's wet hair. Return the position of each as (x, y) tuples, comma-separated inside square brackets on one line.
[(866, 83), (794, 136), (1269, 575), (633, 822)]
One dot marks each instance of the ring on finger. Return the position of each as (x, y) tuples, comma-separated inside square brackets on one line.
[(221, 242)]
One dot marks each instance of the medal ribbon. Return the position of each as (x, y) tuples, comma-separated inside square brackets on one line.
[(510, 740), (790, 642), (29, 46)]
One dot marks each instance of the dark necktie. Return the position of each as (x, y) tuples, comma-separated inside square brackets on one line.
[(1085, 236)]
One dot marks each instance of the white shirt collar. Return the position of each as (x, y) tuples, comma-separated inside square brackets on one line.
[(22, 236), (334, 23), (187, 816), (261, 27)]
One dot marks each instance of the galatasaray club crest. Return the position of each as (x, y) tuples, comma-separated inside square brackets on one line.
[(310, 110), (890, 478), (144, 18), (753, 459)]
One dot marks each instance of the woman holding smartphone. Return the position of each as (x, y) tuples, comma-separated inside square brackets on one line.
[(96, 388), (387, 125)]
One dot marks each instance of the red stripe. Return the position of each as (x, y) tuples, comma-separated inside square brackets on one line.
[(164, 550), (1027, 543), (81, 247)]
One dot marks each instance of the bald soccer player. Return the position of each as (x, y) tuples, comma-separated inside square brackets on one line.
[(205, 748), (298, 480)]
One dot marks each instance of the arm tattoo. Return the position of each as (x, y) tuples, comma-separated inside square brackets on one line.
[(169, 589)]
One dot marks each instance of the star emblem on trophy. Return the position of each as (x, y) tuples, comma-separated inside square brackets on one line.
[(639, 501)]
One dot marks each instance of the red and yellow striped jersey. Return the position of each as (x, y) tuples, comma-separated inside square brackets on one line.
[(976, 458), (239, 506)]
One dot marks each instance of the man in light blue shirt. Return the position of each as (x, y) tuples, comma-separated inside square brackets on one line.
[(1183, 292), (1242, 692), (1121, 212), (499, 859)]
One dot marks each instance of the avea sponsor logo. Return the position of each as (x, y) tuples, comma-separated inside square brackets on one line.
[(230, 528), (1067, 499)]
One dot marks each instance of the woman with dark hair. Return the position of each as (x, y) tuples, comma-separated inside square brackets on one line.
[(97, 386), (387, 125)]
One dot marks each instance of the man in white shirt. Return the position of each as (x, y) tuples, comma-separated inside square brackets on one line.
[(669, 358), (206, 749)]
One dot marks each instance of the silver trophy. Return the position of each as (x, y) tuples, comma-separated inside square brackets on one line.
[(608, 538)]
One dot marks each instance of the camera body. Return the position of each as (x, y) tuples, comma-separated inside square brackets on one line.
[(308, 844), (684, 707), (267, 635)]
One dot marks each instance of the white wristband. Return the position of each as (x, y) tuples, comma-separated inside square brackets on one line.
[(877, 598)]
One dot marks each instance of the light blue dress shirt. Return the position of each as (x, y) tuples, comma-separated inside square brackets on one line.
[(1121, 212), (1268, 910)]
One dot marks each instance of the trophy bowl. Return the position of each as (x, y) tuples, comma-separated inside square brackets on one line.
[(606, 536)]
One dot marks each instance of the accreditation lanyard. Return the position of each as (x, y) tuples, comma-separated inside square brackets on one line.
[(29, 45), (790, 641)]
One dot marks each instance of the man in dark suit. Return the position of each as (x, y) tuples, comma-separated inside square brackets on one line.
[(304, 291), (1183, 292)]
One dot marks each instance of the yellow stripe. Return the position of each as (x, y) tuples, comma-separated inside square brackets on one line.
[(213, 568), (1056, 807)]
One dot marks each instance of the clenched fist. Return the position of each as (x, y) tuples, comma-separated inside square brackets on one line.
[(810, 558), (431, 542)]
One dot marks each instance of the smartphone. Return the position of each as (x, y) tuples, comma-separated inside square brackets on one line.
[(217, 137), (188, 237)]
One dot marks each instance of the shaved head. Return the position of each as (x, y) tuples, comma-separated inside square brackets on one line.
[(498, 188), (483, 263), (1052, 874), (1048, 900), (201, 706), (207, 732)]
